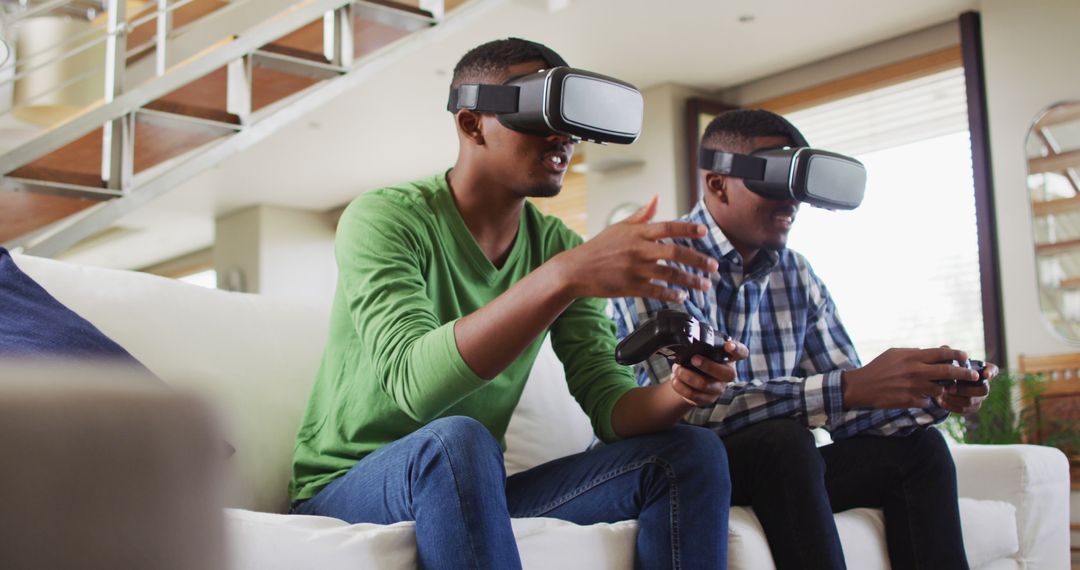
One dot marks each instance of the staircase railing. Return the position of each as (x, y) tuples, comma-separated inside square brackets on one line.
[(236, 38)]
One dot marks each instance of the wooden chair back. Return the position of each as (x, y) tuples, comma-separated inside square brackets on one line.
[(1056, 401)]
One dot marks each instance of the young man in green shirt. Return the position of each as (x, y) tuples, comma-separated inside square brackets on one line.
[(446, 289)]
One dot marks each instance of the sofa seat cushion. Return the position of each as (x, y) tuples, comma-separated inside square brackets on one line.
[(990, 535), (271, 541)]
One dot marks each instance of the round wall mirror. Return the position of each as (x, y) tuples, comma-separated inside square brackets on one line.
[(1053, 160)]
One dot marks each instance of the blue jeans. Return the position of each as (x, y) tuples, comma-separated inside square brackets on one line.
[(448, 477)]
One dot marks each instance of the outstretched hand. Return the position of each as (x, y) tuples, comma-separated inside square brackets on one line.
[(624, 260)]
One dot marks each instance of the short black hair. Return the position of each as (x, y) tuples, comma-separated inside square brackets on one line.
[(733, 130), (489, 61)]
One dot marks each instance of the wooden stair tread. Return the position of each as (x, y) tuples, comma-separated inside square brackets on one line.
[(156, 143), (304, 43), (298, 53), (270, 85), (78, 162), (206, 98), (24, 212), (370, 35), (189, 110), (47, 174)]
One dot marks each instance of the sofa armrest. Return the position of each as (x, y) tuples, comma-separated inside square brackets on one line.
[(1035, 479)]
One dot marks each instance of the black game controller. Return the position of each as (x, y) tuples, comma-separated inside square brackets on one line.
[(976, 365), (675, 335)]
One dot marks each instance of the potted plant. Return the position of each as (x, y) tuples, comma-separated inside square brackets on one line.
[(1013, 412)]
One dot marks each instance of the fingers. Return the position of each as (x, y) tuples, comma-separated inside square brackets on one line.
[(717, 371), (990, 371), (695, 388), (660, 230), (645, 214), (949, 372), (944, 353), (736, 350), (967, 391), (660, 293), (680, 254), (923, 390), (676, 276), (960, 404)]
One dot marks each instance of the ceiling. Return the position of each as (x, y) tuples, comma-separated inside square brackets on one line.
[(392, 127)]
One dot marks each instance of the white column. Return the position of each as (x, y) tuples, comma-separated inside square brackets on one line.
[(277, 251)]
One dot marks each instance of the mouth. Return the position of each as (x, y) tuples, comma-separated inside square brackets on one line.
[(556, 160), (784, 217)]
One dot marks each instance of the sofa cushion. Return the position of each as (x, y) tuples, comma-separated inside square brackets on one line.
[(989, 527), (36, 325), (269, 542), (990, 531), (547, 423)]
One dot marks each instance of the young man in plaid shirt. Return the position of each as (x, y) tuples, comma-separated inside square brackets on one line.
[(803, 372)]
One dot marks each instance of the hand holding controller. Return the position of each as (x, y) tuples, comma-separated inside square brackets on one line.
[(676, 336), (971, 364)]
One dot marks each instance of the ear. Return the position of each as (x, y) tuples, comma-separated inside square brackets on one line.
[(716, 184), (470, 126)]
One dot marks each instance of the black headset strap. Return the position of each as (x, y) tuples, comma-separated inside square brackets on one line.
[(498, 98), (484, 98), (731, 164)]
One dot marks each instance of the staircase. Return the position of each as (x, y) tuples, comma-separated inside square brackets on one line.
[(181, 86)]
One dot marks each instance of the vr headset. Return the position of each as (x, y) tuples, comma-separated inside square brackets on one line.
[(818, 177), (559, 100)]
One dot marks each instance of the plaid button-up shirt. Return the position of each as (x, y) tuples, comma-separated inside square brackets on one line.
[(783, 313)]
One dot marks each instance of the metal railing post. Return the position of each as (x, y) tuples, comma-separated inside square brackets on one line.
[(338, 36), (437, 8), (238, 88), (117, 151), (161, 35)]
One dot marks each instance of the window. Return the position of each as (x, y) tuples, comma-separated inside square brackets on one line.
[(904, 267)]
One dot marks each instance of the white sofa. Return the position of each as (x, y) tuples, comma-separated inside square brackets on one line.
[(254, 359)]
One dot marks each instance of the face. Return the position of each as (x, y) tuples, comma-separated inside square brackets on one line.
[(750, 221), (530, 165)]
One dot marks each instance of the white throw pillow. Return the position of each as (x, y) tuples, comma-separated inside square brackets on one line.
[(547, 423)]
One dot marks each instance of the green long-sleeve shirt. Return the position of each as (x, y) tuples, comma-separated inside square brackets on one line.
[(408, 269)]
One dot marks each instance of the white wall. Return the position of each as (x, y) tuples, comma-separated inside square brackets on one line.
[(655, 164), (1030, 53), (922, 42), (283, 252)]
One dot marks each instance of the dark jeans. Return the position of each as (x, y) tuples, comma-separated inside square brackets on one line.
[(795, 487), (449, 478)]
